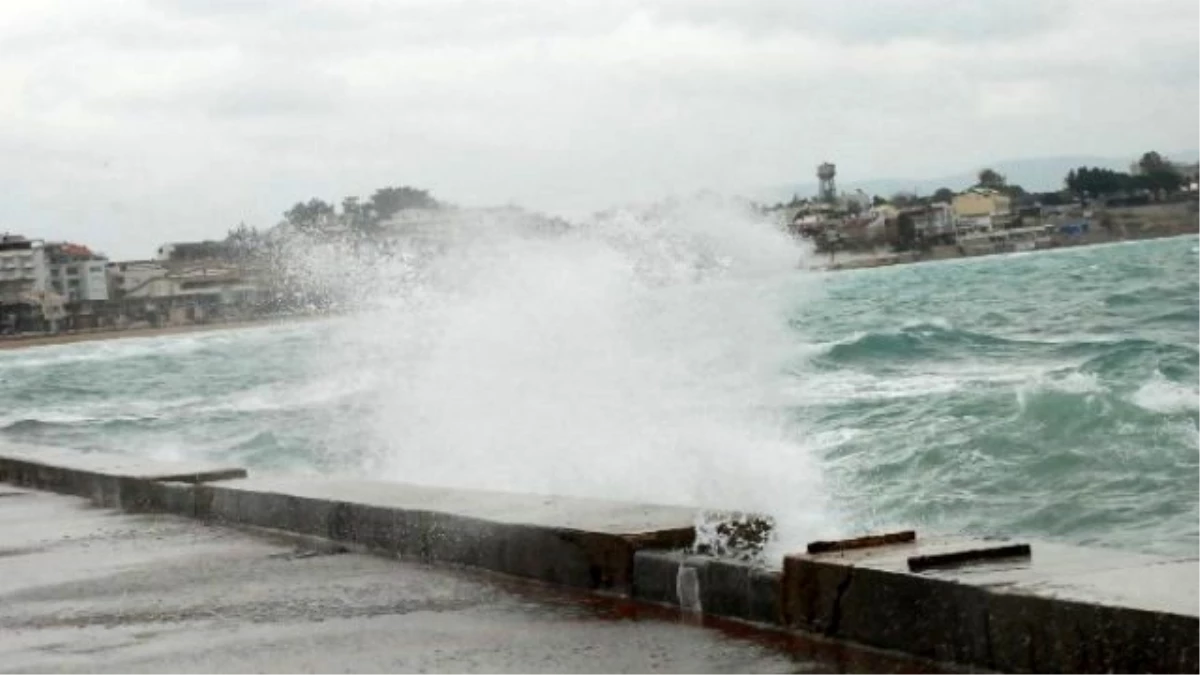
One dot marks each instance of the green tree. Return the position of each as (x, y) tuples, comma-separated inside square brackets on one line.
[(356, 214), (1152, 161), (1014, 191), (1157, 174), (943, 194), (243, 243), (1162, 180), (990, 178), (387, 202), (308, 216), (1099, 182)]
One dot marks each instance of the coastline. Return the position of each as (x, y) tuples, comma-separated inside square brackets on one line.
[(888, 259), (22, 342)]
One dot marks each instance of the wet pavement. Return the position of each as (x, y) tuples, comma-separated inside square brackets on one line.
[(94, 590)]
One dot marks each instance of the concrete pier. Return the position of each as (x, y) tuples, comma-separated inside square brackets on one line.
[(107, 479), (1037, 607), (966, 603), (84, 589)]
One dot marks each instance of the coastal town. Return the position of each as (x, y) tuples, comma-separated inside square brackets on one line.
[(50, 288), (57, 289), (1156, 198)]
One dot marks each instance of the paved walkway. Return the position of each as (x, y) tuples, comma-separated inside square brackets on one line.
[(94, 590)]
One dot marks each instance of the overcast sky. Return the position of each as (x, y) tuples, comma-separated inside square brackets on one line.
[(125, 124)]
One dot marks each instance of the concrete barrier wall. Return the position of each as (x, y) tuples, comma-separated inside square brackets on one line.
[(732, 589), (980, 603), (112, 481), (581, 543), (1055, 608), (458, 527)]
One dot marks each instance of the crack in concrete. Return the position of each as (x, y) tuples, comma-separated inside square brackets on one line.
[(835, 619), (989, 652)]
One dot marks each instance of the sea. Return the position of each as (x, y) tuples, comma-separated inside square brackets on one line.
[(694, 360)]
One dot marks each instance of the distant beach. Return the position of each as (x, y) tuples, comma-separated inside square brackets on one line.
[(68, 337)]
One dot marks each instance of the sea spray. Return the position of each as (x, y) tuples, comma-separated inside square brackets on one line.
[(635, 357), (996, 395)]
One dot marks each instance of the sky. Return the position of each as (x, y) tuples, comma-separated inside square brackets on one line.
[(125, 124)]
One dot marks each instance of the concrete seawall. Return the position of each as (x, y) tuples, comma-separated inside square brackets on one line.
[(991, 604)]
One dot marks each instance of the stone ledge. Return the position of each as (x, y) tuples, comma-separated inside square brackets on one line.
[(1063, 609), (108, 480), (581, 543)]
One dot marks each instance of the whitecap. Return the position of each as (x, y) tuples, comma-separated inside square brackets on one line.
[(1160, 395)]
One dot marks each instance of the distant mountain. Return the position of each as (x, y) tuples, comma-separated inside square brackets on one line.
[(1038, 174)]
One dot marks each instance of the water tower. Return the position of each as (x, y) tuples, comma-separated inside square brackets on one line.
[(826, 188)]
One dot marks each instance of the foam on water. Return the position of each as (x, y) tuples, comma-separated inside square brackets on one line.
[(1161, 395)]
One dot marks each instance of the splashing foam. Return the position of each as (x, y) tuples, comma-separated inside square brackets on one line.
[(632, 358)]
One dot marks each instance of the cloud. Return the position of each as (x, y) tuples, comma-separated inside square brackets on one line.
[(948, 21), (126, 123)]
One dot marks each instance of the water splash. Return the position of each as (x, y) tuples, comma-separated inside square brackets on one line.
[(634, 358)]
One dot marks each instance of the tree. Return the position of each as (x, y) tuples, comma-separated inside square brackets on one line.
[(1166, 181), (388, 201), (1152, 161), (1099, 182), (990, 178), (243, 243), (1157, 174), (878, 201), (943, 194), (308, 216), (356, 215)]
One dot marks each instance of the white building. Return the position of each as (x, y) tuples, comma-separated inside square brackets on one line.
[(76, 273), (225, 284), (23, 270), (128, 278)]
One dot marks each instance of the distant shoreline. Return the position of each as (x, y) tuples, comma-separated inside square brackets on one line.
[(871, 261), (21, 342)]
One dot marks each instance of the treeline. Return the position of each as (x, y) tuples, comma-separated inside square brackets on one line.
[(358, 213), (989, 179), (1154, 174)]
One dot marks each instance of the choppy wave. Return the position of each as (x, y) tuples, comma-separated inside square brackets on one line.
[(1160, 395), (912, 341)]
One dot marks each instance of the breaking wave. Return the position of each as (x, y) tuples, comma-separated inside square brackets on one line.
[(678, 356)]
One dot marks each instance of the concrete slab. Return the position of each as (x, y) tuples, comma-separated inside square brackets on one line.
[(583, 543), (1064, 608), (92, 590), (592, 515), (107, 479), (574, 542)]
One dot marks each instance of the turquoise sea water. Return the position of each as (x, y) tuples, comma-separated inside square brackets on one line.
[(1046, 394)]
